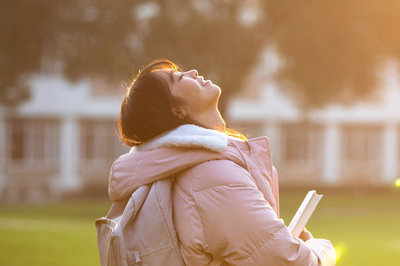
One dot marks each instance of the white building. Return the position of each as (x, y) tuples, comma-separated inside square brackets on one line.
[(64, 138), (338, 145)]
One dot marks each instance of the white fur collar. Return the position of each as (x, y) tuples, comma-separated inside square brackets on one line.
[(188, 136)]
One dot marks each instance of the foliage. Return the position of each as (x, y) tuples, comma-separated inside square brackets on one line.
[(98, 38), (332, 49)]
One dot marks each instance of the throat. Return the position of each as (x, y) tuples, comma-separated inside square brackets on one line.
[(211, 120)]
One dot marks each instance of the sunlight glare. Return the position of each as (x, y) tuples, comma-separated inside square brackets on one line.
[(397, 183), (339, 248)]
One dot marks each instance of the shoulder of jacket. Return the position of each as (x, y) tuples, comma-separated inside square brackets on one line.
[(211, 174), (214, 167)]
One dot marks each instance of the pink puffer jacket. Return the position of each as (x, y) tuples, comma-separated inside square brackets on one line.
[(225, 198)]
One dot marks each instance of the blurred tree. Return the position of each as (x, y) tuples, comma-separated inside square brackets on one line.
[(100, 38), (210, 36), (22, 35), (332, 49)]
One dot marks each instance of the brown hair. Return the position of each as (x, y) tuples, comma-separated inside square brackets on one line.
[(146, 110)]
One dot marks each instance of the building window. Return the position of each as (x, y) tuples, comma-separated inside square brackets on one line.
[(32, 142), (362, 144), (301, 142), (99, 142)]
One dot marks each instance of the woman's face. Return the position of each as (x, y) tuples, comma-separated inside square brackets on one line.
[(192, 90)]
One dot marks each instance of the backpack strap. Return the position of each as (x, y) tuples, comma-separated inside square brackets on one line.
[(133, 206)]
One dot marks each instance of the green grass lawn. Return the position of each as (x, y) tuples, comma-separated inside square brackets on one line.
[(364, 227), (51, 234)]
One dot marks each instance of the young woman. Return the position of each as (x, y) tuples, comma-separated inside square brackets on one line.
[(225, 190)]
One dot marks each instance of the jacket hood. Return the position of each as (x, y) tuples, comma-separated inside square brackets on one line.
[(164, 156)]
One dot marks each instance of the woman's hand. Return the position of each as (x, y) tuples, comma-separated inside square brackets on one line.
[(305, 235)]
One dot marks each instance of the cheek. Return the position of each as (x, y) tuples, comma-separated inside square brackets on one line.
[(190, 90), (184, 92), (196, 97)]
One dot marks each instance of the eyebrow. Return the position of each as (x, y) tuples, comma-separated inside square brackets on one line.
[(171, 76)]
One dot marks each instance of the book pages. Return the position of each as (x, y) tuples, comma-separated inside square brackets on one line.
[(304, 213)]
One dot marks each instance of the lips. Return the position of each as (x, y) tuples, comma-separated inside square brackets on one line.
[(202, 81)]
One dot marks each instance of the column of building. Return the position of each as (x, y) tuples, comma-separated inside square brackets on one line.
[(68, 180), (331, 154), (271, 130), (390, 153), (2, 153)]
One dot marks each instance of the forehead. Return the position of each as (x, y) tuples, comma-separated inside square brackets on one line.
[(167, 74)]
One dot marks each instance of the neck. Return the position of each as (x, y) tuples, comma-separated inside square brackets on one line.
[(211, 119)]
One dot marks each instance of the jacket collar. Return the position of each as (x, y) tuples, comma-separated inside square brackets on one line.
[(188, 136)]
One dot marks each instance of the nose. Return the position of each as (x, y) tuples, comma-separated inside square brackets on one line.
[(193, 73)]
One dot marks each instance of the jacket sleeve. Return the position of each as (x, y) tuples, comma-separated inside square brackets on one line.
[(241, 227)]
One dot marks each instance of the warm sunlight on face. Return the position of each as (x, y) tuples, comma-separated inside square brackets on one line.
[(340, 249), (192, 89), (397, 183)]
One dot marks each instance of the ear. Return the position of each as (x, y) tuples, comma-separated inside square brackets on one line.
[(179, 112)]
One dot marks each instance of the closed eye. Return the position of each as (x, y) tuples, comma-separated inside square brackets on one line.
[(172, 76)]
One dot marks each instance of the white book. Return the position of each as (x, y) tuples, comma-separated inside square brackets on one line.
[(304, 213)]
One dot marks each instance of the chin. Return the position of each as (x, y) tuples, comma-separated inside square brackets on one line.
[(216, 87), (217, 90)]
